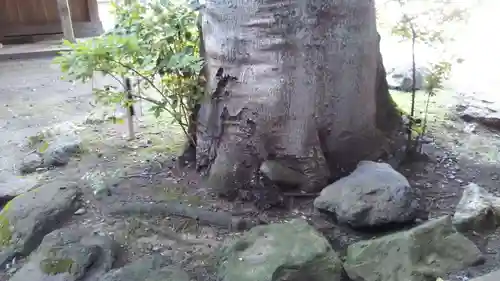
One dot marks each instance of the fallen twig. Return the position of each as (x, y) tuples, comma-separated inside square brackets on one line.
[(300, 194), (141, 175)]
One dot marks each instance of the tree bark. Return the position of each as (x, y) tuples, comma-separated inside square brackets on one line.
[(66, 23), (310, 90)]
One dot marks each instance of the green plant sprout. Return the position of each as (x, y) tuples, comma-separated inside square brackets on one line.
[(427, 23)]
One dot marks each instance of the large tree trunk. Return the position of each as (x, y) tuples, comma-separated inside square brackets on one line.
[(310, 89)]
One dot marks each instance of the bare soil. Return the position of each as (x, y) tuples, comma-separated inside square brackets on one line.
[(33, 98)]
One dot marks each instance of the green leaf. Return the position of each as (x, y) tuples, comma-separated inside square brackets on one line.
[(146, 38)]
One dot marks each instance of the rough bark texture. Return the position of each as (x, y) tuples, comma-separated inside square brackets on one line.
[(310, 89)]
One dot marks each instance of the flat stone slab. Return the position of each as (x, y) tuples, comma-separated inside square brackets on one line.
[(45, 48), (32, 50)]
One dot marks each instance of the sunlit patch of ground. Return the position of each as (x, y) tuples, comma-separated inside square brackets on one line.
[(449, 131), (153, 136)]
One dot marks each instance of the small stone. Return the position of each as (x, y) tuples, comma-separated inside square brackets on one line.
[(470, 128), (31, 163), (478, 210), (102, 192), (80, 211), (60, 151), (154, 267), (12, 270)]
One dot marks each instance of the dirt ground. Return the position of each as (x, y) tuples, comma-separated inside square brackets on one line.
[(33, 98)]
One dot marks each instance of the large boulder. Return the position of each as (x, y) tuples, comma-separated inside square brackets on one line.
[(478, 210), (27, 218), (423, 253), (401, 77), (280, 251), (151, 268), (374, 194), (69, 255)]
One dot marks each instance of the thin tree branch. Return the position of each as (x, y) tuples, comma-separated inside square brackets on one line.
[(145, 78)]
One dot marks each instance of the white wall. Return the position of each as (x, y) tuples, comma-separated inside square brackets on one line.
[(477, 41), (480, 45)]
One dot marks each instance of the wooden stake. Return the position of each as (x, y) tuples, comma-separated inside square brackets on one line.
[(130, 109), (139, 93), (66, 23)]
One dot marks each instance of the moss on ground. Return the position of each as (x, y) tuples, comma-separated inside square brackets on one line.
[(5, 231), (436, 113), (178, 194), (53, 266)]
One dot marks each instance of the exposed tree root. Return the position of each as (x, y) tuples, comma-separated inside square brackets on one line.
[(171, 234), (219, 219)]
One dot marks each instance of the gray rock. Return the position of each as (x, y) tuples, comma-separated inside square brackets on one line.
[(80, 211), (281, 251), (151, 268), (281, 174), (60, 151), (479, 108), (478, 210), (69, 255), (401, 77), (31, 163), (424, 253), (11, 271), (372, 195), (101, 182), (102, 192), (482, 116), (27, 218)]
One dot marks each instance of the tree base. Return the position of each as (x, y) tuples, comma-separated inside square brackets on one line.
[(188, 156), (311, 99)]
